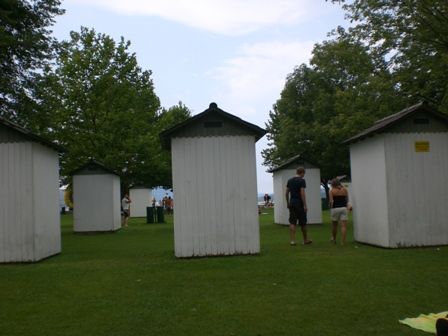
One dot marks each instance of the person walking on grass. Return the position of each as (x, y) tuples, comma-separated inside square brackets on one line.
[(296, 202), (339, 207), (126, 207)]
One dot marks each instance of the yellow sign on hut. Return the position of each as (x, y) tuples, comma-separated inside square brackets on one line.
[(422, 146)]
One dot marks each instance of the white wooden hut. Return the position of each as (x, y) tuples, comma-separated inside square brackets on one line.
[(399, 179), (214, 184), (141, 197), (281, 175), (29, 196), (96, 198)]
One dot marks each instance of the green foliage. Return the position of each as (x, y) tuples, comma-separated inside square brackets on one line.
[(394, 55), (130, 283), (342, 92), (25, 47), (413, 36), (97, 102)]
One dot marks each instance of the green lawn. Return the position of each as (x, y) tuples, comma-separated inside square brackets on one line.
[(130, 283)]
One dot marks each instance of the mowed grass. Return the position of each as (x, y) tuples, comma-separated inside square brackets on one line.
[(130, 283)]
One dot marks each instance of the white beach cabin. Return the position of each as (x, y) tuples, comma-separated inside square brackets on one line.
[(281, 175), (29, 195), (399, 179), (96, 198), (141, 199), (214, 184)]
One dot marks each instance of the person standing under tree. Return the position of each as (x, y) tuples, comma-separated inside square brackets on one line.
[(126, 208), (296, 202)]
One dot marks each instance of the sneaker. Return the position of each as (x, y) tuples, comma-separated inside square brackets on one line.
[(309, 241), (293, 243), (333, 241)]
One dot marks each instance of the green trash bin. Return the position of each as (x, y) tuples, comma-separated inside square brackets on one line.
[(160, 218), (150, 215)]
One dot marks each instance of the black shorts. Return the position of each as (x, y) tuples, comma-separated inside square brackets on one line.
[(125, 213), (297, 215)]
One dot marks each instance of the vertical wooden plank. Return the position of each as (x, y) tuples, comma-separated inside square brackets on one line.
[(179, 199), (16, 206), (94, 197), (368, 168), (417, 188), (21, 168), (184, 195), (219, 173), (141, 199), (115, 203), (45, 191)]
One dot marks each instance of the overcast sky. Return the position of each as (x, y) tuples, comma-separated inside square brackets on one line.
[(236, 53)]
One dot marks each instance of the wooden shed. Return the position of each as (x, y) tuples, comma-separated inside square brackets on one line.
[(96, 198), (281, 175), (399, 179), (29, 195), (141, 197), (214, 184)]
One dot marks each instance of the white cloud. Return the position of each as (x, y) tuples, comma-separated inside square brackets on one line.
[(228, 17), (252, 81)]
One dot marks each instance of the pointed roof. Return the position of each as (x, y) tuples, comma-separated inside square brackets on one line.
[(212, 112), (384, 124), (26, 134), (95, 167), (294, 160)]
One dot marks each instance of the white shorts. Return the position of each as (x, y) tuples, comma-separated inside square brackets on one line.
[(338, 214)]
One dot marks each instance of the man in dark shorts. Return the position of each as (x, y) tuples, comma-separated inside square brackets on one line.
[(296, 202)]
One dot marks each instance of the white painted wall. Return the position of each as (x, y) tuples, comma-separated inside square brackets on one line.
[(417, 184), (215, 190), (369, 192), (399, 195), (141, 199), (46, 208), (312, 192), (96, 203), (29, 203), (281, 213), (115, 200)]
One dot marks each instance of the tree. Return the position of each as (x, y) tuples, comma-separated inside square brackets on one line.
[(97, 102), (25, 47), (394, 55), (168, 118), (413, 36), (343, 91)]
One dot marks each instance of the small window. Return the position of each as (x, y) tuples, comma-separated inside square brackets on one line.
[(421, 121), (213, 124)]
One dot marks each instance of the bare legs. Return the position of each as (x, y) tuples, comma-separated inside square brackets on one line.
[(334, 231), (124, 222), (343, 231), (292, 234), (305, 235)]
